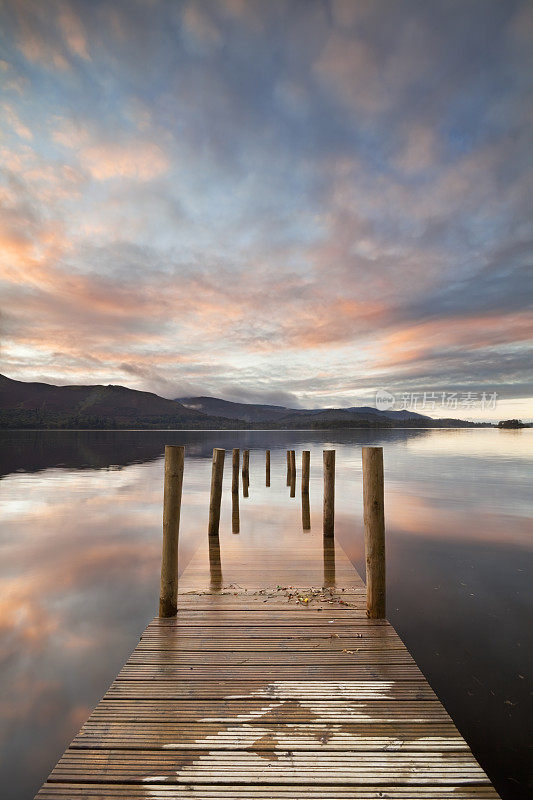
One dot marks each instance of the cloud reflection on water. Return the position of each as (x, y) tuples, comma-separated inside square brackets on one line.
[(80, 552)]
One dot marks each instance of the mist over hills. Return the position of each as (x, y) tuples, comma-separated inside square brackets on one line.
[(43, 405), (284, 417)]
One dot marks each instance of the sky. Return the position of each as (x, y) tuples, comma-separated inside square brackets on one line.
[(294, 201)]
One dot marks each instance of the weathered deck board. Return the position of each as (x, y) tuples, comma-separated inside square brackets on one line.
[(73, 791), (267, 686)]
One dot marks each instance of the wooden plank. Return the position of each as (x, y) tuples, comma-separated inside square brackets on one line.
[(392, 672), (137, 735), (318, 690), (275, 711), (322, 627), (304, 616), (270, 658), (245, 767), (278, 644), (107, 791)]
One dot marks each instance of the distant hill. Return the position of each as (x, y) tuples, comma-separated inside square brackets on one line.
[(271, 416), (249, 412), (42, 405)]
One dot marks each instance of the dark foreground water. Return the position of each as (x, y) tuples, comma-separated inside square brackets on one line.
[(80, 545)]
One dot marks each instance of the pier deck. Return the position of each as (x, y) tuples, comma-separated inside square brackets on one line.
[(258, 690)]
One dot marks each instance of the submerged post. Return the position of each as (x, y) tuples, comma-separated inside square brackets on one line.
[(306, 512), (329, 493), (168, 596), (267, 468), (235, 471), (292, 462), (217, 473), (374, 519), (306, 462), (292, 472), (235, 521)]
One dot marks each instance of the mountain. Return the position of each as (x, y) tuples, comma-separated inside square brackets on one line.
[(42, 405), (271, 416), (249, 412)]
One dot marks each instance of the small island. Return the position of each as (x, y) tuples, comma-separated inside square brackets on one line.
[(512, 423)]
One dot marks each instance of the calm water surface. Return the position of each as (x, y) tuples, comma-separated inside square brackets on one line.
[(80, 550)]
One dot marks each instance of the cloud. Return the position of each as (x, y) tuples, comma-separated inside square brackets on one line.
[(124, 157), (315, 199)]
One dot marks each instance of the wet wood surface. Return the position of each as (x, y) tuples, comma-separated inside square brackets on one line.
[(270, 684)]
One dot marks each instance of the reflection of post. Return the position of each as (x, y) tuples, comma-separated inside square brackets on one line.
[(267, 467), (288, 467), (217, 473), (374, 518), (329, 560), (215, 565), (235, 519), (306, 512), (292, 472), (168, 597), (306, 463), (235, 470), (329, 492)]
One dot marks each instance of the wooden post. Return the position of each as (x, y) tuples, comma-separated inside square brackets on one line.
[(292, 461), (288, 467), (329, 492), (328, 544), (306, 462), (267, 467), (374, 518), (306, 512), (168, 597), (235, 471), (292, 472), (217, 473), (235, 517), (215, 564)]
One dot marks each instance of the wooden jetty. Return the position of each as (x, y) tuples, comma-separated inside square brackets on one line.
[(277, 678)]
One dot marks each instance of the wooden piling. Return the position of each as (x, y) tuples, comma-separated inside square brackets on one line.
[(235, 516), (168, 597), (288, 467), (374, 519), (267, 468), (246, 463), (292, 462), (235, 471), (306, 512), (215, 563), (329, 493), (328, 544), (292, 473), (306, 463), (217, 473)]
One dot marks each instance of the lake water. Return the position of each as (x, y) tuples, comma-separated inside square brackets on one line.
[(80, 548)]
